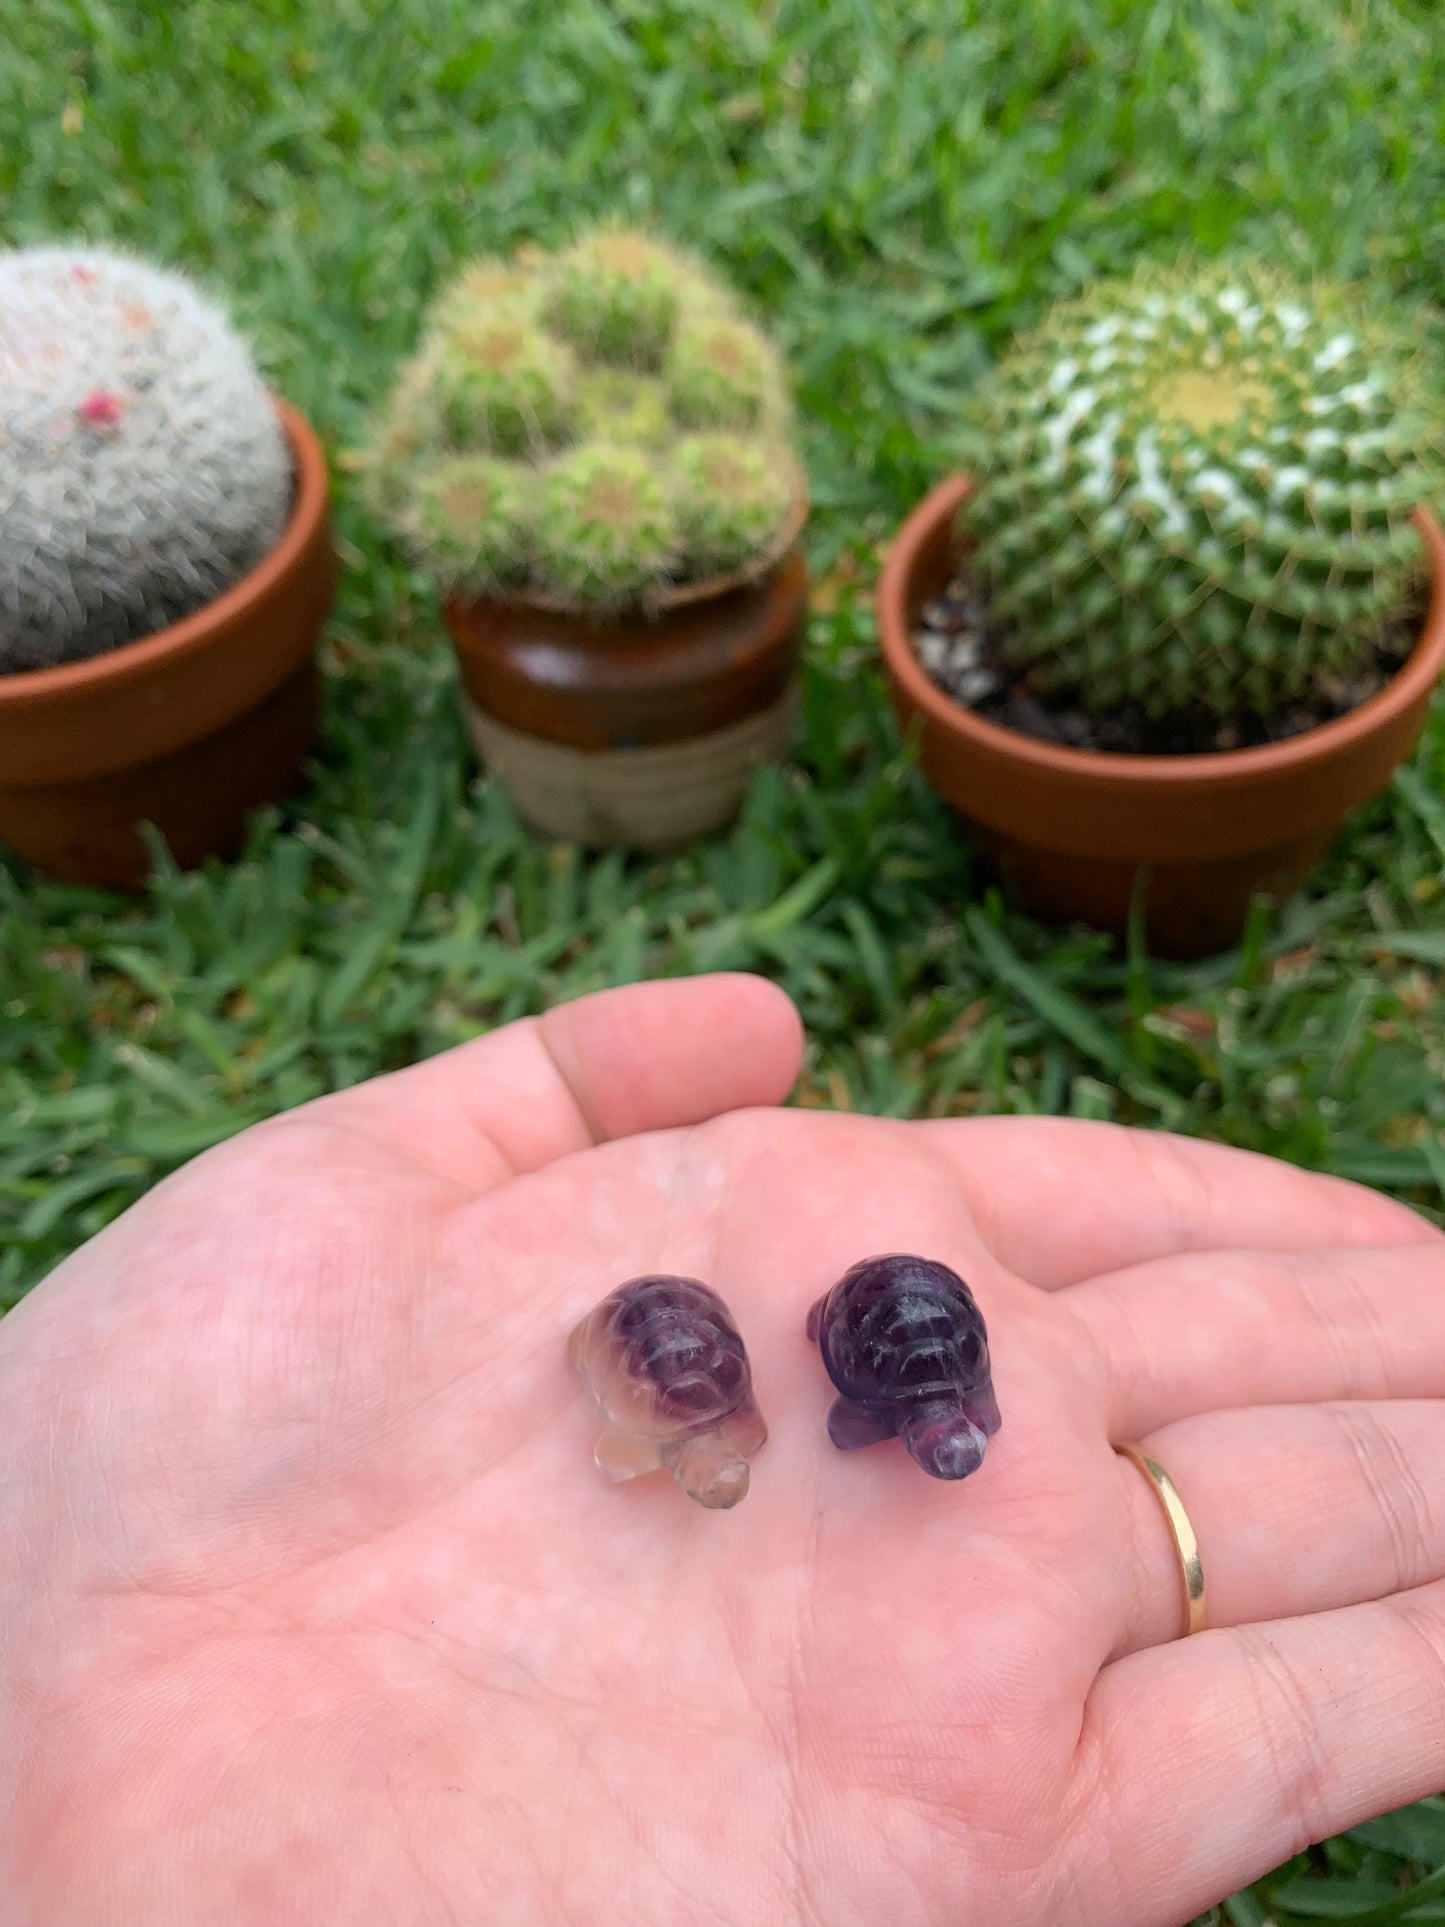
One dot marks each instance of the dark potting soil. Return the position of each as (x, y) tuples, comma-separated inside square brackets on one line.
[(957, 644)]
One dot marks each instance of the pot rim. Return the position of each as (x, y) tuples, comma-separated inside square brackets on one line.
[(23, 688), (1410, 684), (664, 601)]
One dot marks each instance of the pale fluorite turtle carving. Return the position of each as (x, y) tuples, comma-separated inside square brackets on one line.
[(668, 1372), (904, 1343)]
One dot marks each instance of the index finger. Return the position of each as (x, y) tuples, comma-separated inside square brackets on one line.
[(1058, 1200)]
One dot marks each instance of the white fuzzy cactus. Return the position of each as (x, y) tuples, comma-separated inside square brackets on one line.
[(142, 467)]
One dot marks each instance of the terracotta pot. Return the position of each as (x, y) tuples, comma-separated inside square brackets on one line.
[(189, 728), (643, 730), (1071, 829)]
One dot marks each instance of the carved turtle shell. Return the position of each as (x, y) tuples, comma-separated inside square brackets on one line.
[(669, 1374), (905, 1345)]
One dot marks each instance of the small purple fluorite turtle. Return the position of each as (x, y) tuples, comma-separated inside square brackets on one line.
[(905, 1345), (669, 1374)]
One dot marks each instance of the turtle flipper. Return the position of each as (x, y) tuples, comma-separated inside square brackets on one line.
[(622, 1455), (578, 1340), (852, 1426)]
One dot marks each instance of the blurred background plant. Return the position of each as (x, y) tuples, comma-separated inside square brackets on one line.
[(143, 469), (593, 426), (1194, 491)]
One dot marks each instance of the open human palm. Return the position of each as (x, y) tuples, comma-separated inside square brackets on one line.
[(312, 1606)]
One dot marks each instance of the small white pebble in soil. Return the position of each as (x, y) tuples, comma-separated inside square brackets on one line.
[(941, 614), (975, 686)]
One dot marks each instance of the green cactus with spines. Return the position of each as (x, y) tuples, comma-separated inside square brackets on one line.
[(574, 408), (505, 386), (615, 295), (721, 374), (1193, 491), (733, 497), (490, 286), (622, 407), (472, 517), (605, 531)]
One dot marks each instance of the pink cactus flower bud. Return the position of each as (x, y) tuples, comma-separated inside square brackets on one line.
[(102, 409)]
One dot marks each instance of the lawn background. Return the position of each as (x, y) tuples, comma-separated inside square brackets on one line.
[(897, 189)]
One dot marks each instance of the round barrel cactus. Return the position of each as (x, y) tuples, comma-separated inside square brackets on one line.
[(1194, 491), (620, 425), (143, 469)]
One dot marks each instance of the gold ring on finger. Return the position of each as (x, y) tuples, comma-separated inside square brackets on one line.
[(1186, 1544)]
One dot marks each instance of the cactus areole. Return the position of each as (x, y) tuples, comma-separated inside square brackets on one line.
[(1193, 492)]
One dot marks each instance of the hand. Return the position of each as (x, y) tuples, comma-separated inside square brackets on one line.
[(312, 1607)]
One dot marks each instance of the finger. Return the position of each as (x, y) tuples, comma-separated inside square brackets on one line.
[(1298, 1509), (1204, 1763), (1194, 1333), (643, 1058), (1061, 1199)]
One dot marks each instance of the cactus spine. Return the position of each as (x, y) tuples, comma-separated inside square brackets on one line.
[(142, 466), (1193, 492), (565, 393)]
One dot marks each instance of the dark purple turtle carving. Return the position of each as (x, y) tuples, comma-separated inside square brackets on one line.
[(905, 1345), (668, 1372)]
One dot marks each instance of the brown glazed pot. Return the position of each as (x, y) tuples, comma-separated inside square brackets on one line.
[(641, 730), (189, 728), (1071, 828)]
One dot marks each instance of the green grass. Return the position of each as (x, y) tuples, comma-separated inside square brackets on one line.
[(897, 189)]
